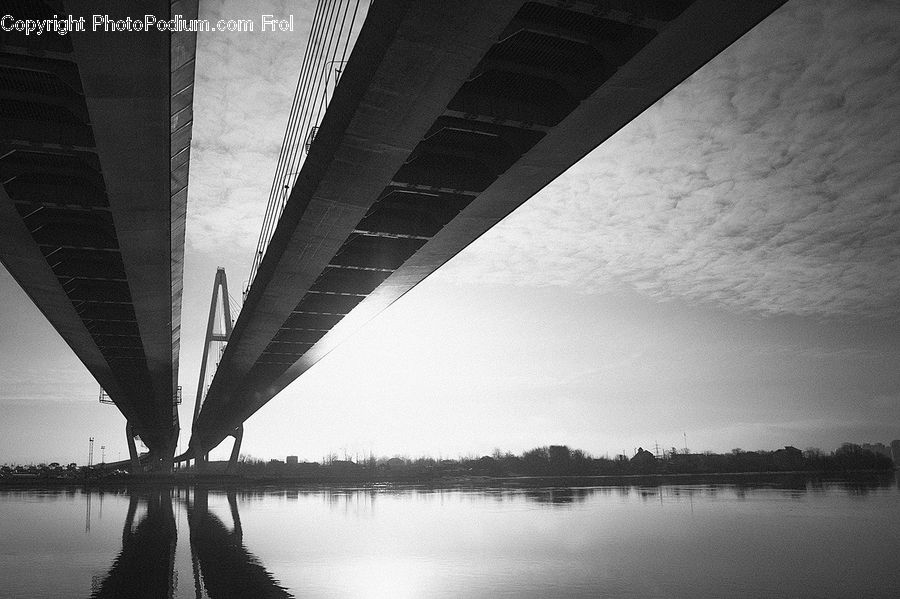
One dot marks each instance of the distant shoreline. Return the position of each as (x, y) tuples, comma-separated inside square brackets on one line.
[(240, 481)]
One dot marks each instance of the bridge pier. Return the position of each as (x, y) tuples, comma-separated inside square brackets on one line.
[(167, 459), (161, 457), (132, 448), (201, 461), (201, 453), (238, 435)]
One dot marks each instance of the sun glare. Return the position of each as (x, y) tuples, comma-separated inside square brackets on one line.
[(388, 578)]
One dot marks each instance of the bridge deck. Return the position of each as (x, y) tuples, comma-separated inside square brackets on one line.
[(94, 154), (448, 116)]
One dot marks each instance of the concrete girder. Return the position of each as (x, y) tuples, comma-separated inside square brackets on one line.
[(383, 120), (93, 162)]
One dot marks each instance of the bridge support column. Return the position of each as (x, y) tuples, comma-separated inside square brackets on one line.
[(238, 435), (132, 449), (167, 460), (161, 458), (201, 461)]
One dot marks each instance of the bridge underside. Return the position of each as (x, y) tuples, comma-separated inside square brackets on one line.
[(93, 164), (448, 116)]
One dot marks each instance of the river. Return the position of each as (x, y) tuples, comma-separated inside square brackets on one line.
[(775, 537)]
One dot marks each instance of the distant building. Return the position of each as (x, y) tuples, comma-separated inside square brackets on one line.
[(643, 457), (291, 460), (560, 459), (789, 458), (878, 448)]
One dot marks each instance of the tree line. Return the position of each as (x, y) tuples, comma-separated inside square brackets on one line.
[(560, 460)]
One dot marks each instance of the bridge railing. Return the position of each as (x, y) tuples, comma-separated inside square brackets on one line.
[(333, 32)]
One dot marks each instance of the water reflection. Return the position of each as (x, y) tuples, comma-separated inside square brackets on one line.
[(222, 566), (712, 537), (558, 493), (146, 563)]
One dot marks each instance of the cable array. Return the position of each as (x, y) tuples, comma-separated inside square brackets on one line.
[(333, 30)]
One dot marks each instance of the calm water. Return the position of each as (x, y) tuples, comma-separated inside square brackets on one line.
[(787, 538)]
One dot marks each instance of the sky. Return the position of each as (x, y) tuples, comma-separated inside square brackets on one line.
[(724, 272)]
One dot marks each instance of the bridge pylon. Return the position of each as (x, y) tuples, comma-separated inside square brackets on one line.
[(215, 334), (132, 449)]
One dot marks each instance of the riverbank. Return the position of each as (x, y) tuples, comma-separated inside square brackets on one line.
[(219, 480)]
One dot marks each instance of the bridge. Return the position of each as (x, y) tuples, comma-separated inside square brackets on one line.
[(445, 117), (95, 134), (441, 120)]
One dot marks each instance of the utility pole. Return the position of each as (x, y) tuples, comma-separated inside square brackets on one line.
[(90, 452)]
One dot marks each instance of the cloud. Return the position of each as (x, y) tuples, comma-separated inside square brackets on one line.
[(26, 384), (244, 88), (769, 181)]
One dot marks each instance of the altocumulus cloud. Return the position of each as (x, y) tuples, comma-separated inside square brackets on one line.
[(768, 181), (244, 87)]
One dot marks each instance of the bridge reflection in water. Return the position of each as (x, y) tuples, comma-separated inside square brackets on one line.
[(222, 566), (525, 538)]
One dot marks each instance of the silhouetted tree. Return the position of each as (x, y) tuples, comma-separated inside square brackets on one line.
[(536, 462)]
